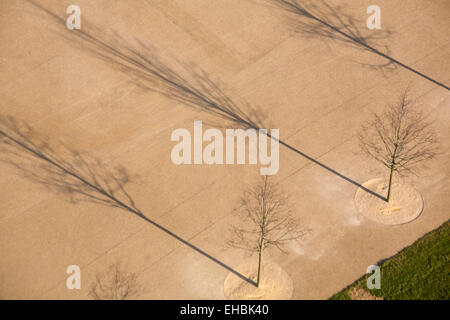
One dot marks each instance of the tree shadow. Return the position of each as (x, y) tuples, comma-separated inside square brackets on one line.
[(320, 20), (191, 86), (70, 173), (183, 82)]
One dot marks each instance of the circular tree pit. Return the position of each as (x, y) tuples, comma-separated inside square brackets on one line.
[(405, 206)]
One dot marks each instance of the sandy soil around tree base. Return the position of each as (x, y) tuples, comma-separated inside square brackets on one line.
[(275, 283), (405, 206), (361, 294)]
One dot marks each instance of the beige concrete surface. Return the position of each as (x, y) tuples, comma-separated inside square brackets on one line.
[(316, 90)]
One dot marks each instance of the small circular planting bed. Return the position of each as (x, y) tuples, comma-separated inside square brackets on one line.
[(275, 283), (406, 203)]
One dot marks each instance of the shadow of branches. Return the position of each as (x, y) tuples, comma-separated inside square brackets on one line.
[(320, 20), (67, 171), (183, 82)]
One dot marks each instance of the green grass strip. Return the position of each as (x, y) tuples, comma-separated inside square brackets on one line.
[(420, 271)]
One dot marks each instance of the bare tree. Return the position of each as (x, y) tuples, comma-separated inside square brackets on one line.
[(115, 284), (400, 138), (265, 210)]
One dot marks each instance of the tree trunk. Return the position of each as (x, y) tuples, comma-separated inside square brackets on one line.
[(261, 250), (390, 184)]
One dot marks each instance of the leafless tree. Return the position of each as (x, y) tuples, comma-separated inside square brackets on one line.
[(116, 284), (400, 138), (265, 210)]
